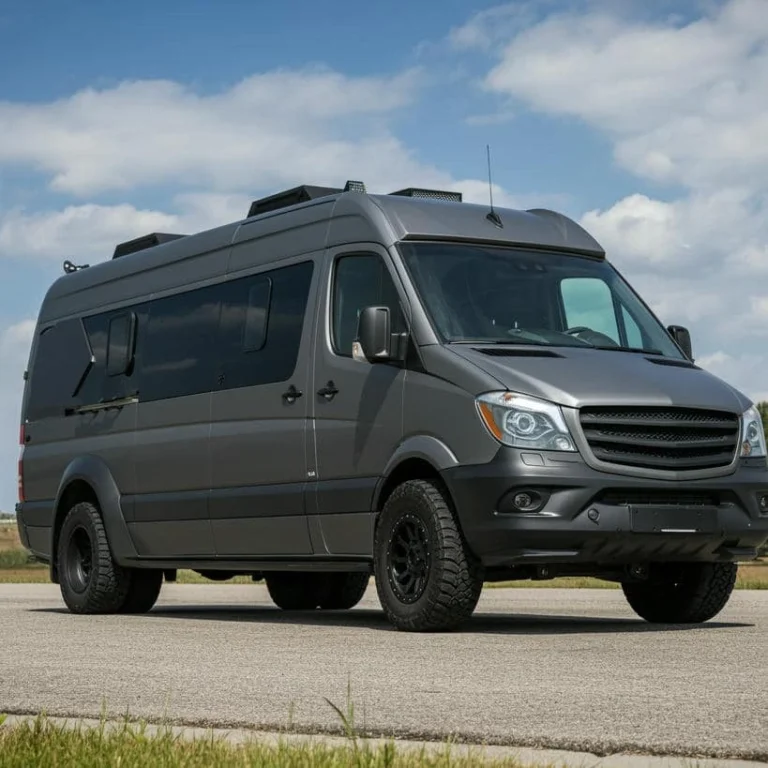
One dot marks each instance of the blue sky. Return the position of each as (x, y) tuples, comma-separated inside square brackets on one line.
[(647, 122)]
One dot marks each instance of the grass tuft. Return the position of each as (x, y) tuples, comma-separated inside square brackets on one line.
[(41, 742), (17, 558)]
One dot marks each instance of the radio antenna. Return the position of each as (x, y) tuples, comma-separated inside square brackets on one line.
[(492, 216)]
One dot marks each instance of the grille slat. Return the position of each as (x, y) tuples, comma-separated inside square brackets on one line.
[(661, 438)]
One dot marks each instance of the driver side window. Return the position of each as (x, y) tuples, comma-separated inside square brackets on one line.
[(588, 302), (361, 281)]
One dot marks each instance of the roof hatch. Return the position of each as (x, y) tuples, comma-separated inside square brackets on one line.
[(144, 242)]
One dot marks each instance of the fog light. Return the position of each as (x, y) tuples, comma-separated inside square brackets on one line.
[(523, 500), (527, 501), (517, 500), (762, 502)]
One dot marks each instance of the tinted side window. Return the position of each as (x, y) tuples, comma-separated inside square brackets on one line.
[(588, 302), (62, 363), (262, 318), (359, 282), (634, 334), (257, 314), (122, 333), (178, 355)]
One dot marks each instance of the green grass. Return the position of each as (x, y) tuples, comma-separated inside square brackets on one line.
[(17, 558), (17, 568), (40, 742)]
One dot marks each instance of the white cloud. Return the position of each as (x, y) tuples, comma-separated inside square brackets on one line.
[(271, 129), (76, 231), (746, 372), (88, 233), (14, 350), (684, 102)]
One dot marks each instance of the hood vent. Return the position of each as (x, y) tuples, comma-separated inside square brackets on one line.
[(671, 362), (502, 352)]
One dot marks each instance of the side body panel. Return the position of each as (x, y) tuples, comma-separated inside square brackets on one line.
[(357, 411), (176, 356), (260, 407)]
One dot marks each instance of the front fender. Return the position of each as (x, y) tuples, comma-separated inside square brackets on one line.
[(424, 447)]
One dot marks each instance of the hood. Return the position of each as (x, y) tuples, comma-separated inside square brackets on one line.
[(576, 377)]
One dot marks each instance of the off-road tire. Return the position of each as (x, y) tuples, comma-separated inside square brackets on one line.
[(106, 585), (143, 592), (292, 590), (341, 591), (453, 581), (682, 593)]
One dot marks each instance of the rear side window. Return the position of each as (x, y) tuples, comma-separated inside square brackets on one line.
[(359, 282), (257, 314), (63, 360), (262, 320), (179, 353), (120, 344)]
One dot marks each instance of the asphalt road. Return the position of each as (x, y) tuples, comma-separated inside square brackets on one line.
[(571, 669)]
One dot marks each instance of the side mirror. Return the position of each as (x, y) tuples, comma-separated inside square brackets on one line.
[(374, 342), (682, 338)]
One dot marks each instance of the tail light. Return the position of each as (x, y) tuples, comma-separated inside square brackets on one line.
[(22, 442)]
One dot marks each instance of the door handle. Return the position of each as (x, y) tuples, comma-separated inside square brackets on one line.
[(329, 391), (292, 395)]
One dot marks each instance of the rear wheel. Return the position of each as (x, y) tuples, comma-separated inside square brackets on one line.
[(89, 579), (426, 578), (303, 591), (292, 590), (341, 591), (143, 592), (682, 593)]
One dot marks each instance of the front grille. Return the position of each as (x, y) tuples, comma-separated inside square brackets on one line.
[(677, 439)]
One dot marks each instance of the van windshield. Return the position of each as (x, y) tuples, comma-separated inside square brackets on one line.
[(478, 293)]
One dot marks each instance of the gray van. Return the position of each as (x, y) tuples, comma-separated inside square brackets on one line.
[(402, 385)]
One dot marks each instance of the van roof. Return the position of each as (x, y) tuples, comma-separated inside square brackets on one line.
[(343, 217)]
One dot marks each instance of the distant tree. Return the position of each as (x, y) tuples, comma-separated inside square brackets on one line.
[(763, 408)]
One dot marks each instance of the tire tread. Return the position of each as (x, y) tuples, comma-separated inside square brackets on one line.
[(109, 592), (708, 589), (453, 595)]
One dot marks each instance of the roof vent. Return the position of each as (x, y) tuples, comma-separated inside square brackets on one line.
[(144, 242), (354, 186), (298, 195), (290, 197), (429, 194)]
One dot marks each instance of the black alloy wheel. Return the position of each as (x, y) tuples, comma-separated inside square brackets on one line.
[(408, 559)]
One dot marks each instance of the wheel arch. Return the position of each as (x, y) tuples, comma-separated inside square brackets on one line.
[(88, 478), (421, 457)]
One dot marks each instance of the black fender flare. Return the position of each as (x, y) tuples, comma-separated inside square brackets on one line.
[(95, 472), (425, 447)]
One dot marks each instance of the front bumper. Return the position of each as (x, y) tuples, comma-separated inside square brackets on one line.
[(602, 518)]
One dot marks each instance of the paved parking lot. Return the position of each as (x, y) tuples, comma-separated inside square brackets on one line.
[(561, 668)]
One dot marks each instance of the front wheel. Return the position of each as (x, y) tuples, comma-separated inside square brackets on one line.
[(426, 578), (682, 593)]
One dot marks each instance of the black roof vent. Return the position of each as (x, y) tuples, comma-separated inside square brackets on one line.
[(290, 197), (430, 194), (299, 195), (144, 242)]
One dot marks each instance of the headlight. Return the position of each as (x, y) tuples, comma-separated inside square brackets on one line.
[(753, 437), (525, 422)]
